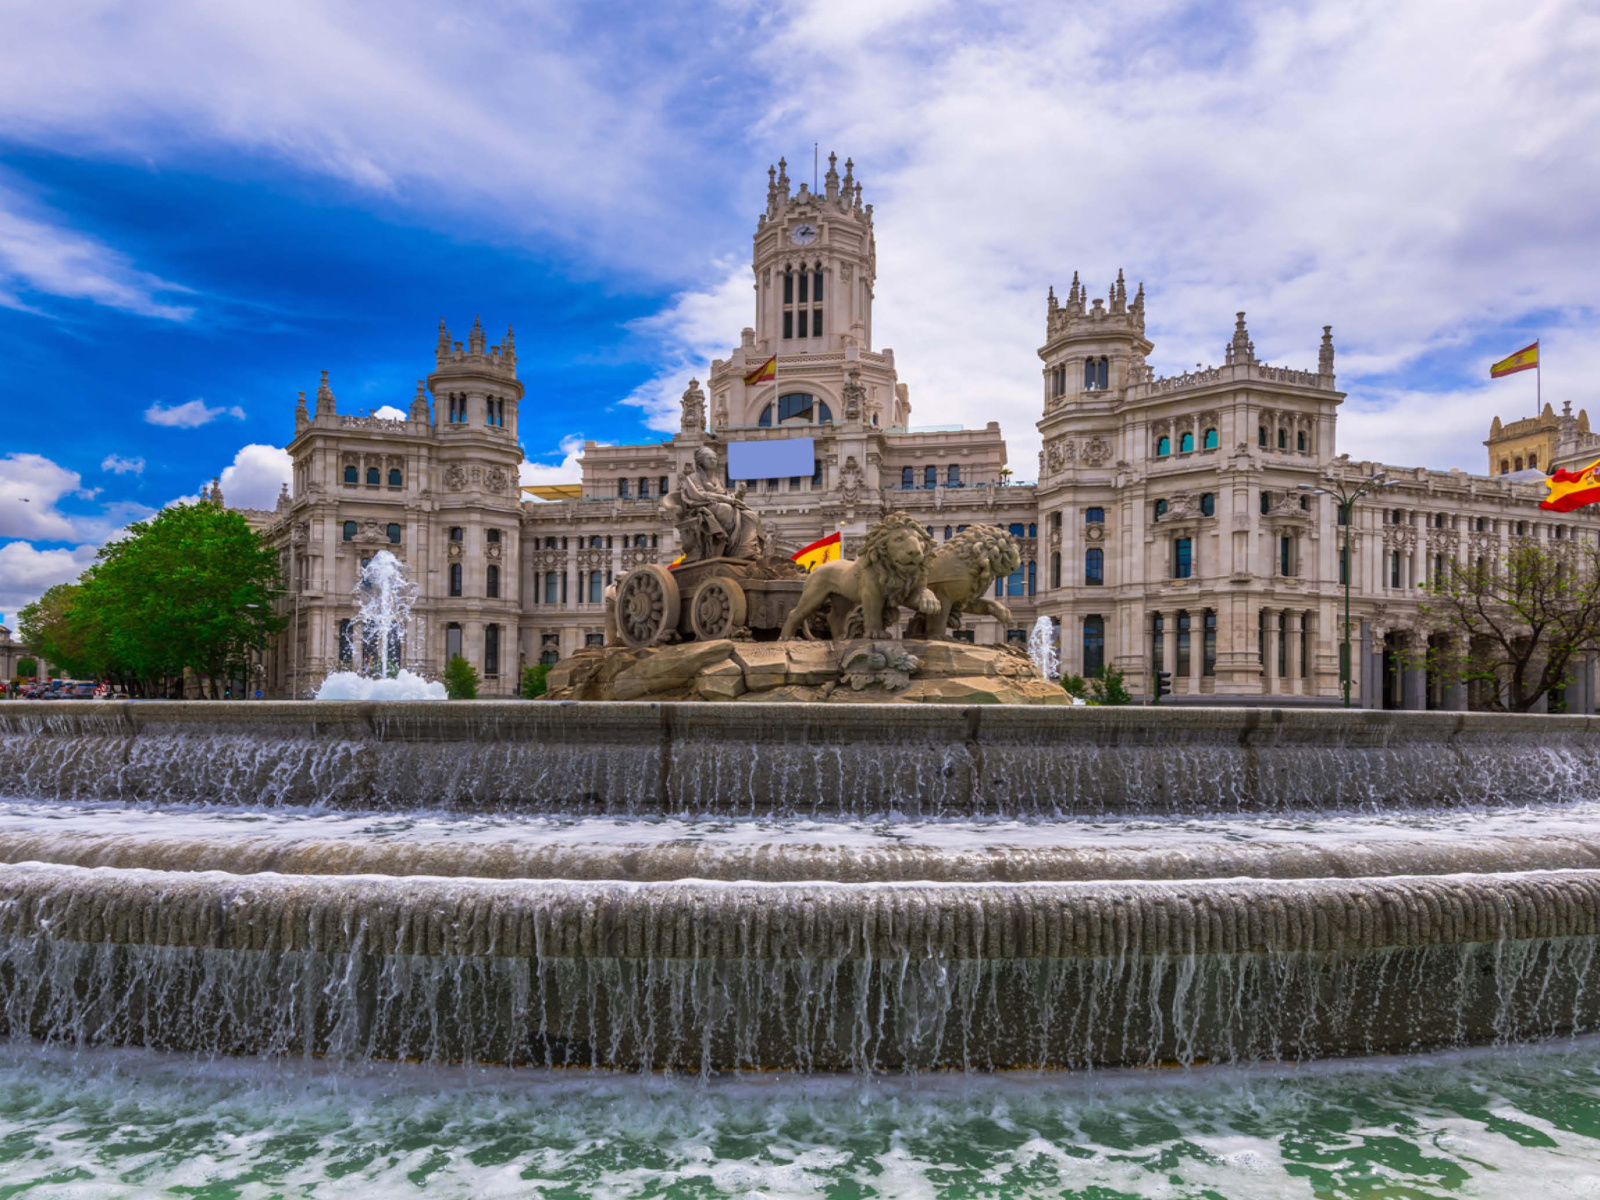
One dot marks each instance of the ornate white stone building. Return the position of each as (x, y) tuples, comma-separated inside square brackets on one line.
[(1172, 525)]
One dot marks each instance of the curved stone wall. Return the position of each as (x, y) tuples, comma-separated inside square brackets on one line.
[(707, 976), (924, 760)]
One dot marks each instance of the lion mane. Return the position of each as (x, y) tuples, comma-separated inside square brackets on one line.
[(986, 549), (901, 583), (961, 575)]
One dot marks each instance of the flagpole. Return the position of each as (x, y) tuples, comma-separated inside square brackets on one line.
[(1538, 379)]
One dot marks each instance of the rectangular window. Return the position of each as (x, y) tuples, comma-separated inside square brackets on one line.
[(1285, 556), (1438, 570), (952, 475), (816, 293), (1208, 651), (1283, 643), (1261, 639), (788, 324), (816, 322), (1182, 558), (563, 587), (816, 472), (455, 579), (491, 587), (1305, 645), (802, 322), (1158, 642), (1094, 566), (452, 641), (1033, 578), (551, 588), (1394, 569), (1094, 516), (930, 477), (596, 587), (794, 483), (622, 489), (1183, 645), (1094, 645), (805, 278), (491, 650), (788, 289), (1016, 582)]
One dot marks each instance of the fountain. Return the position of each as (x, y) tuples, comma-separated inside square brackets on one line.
[(1042, 649), (385, 595)]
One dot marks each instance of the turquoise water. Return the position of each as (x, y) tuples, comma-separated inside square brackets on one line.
[(1521, 1122)]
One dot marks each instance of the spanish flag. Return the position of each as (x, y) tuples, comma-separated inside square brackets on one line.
[(1573, 489), (767, 370), (814, 555), (1526, 359), (675, 563)]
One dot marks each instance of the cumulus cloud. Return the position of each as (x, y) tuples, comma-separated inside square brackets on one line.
[(30, 486), (390, 413), (189, 415), (38, 253), (256, 476), (684, 337), (118, 465), (26, 572), (569, 470)]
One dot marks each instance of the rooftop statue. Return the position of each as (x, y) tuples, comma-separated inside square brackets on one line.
[(711, 521)]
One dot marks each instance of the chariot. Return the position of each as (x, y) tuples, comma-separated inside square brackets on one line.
[(707, 600)]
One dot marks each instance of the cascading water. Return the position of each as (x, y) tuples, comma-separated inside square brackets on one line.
[(1043, 650), (385, 595)]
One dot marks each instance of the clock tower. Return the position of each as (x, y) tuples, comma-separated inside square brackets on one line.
[(815, 262)]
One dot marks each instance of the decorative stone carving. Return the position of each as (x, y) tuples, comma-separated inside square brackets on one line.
[(455, 477), (492, 550), (302, 532), (845, 271), (1095, 531), (1096, 451), (371, 532), (963, 572), (496, 480), (692, 419), (455, 550), (886, 666), (711, 521), (851, 478), (854, 397), (891, 573)]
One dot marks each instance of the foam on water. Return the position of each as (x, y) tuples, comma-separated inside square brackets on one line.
[(1497, 1124), (347, 685)]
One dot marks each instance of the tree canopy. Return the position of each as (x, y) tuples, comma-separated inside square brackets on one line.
[(1516, 625), (190, 589)]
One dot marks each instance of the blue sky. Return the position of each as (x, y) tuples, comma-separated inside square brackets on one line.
[(203, 206)]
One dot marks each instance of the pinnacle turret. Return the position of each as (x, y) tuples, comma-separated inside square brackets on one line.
[(419, 404), (301, 416), (1325, 355), (477, 341), (325, 402)]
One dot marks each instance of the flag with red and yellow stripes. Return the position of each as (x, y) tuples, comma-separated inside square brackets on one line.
[(767, 370), (1526, 359), (828, 549), (1573, 489)]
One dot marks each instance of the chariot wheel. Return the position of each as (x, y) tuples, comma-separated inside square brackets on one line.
[(718, 609), (647, 605)]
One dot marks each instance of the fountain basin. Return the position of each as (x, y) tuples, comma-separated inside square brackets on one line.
[(678, 758)]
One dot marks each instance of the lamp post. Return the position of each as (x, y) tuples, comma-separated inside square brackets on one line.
[(1347, 497)]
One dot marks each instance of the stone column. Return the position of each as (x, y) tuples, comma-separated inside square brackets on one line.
[(1413, 682), (1197, 648), (1292, 683), (1169, 647), (1269, 669), (1455, 691)]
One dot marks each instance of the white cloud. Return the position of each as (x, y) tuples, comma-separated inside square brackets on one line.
[(389, 413), (190, 415), (256, 475), (26, 572), (118, 465), (38, 253), (30, 486), (684, 337), (569, 470)]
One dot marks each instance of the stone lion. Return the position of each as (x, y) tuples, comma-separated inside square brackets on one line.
[(961, 576), (892, 571)]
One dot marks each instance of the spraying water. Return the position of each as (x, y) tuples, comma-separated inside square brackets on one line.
[(386, 597), (1043, 650)]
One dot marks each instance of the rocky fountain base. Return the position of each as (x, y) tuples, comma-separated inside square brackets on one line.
[(847, 672)]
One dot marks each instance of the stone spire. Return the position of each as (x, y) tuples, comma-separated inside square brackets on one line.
[(283, 499), (301, 417), (508, 350), (831, 179), (419, 404), (325, 401), (1241, 349), (1119, 295), (476, 339), (215, 495), (1325, 355), (693, 418)]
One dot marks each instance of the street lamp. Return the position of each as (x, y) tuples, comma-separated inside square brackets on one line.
[(1347, 498)]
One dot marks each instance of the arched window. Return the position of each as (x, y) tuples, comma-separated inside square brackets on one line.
[(1505, 467), (644, 487), (1300, 441), (373, 478), (1090, 374), (1094, 645), (395, 478), (1210, 441), (948, 532), (766, 416), (1533, 461), (930, 477), (1186, 444), (952, 475), (491, 583), (1163, 446), (800, 408), (351, 475), (1261, 435), (1208, 504), (622, 489), (455, 579), (1094, 566), (908, 478), (1283, 439), (1161, 509), (349, 531), (1518, 463), (1105, 374), (394, 535)]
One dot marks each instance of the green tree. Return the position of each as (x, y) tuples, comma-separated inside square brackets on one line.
[(1109, 687), (1075, 686), (460, 679), (27, 668), (533, 680), (63, 628), (191, 589), (1513, 628)]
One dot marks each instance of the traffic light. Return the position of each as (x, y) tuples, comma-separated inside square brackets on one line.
[(1163, 684)]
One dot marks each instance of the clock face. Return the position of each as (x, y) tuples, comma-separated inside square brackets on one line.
[(803, 234)]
